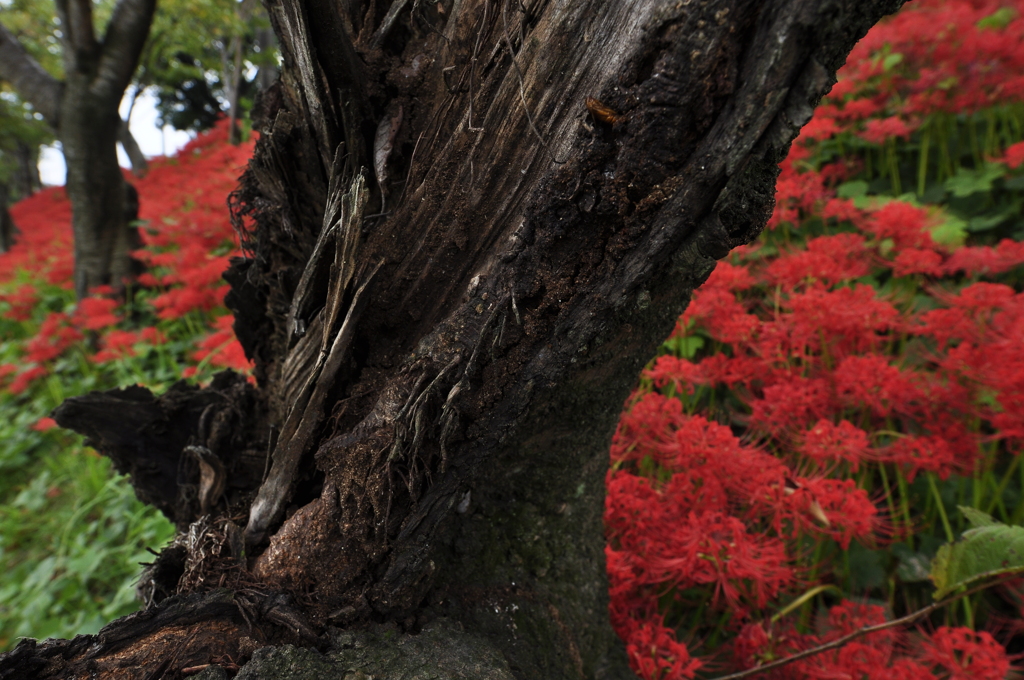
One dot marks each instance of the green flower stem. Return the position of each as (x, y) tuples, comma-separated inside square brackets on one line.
[(888, 492), (941, 506), (1001, 488), (922, 162), (807, 608), (905, 505)]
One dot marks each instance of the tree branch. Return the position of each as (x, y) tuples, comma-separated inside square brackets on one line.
[(867, 630), (31, 80), (80, 32), (140, 166), (122, 45)]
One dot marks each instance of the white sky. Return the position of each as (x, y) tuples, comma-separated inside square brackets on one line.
[(152, 140)]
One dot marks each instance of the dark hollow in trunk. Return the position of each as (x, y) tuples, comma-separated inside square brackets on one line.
[(469, 223)]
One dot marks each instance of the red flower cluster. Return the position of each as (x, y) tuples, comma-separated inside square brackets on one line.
[(831, 376), (188, 237), (807, 366), (715, 521), (940, 56), (954, 653), (221, 348), (188, 241)]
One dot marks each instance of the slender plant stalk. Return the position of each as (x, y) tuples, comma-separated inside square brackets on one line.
[(922, 165), (941, 506)]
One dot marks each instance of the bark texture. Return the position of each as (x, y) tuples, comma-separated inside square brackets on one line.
[(469, 225)]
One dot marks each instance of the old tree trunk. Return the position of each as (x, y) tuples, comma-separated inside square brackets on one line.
[(470, 223)]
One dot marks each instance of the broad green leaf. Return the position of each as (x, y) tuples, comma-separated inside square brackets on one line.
[(951, 231), (976, 517), (852, 189), (986, 222), (891, 61), (685, 347), (984, 551), (966, 181), (998, 19)]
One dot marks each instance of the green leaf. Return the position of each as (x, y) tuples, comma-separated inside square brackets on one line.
[(982, 552), (685, 347), (966, 181), (891, 61), (852, 189), (865, 568), (976, 517), (951, 231), (998, 19), (806, 597), (986, 222)]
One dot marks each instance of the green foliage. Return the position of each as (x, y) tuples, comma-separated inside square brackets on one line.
[(72, 533), (19, 130), (20, 126), (987, 550), (35, 26), (190, 58), (73, 536)]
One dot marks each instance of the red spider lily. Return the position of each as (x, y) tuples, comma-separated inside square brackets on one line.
[(827, 371), (116, 345), (878, 130), (655, 654), (152, 335), (22, 301), (948, 652), (221, 347), (924, 261), (44, 424), (56, 334), (22, 380), (1014, 156), (905, 224), (185, 197), (95, 313), (983, 260), (963, 654), (44, 243), (828, 259), (828, 444)]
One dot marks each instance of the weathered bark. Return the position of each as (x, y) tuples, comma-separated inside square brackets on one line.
[(456, 272), (83, 111)]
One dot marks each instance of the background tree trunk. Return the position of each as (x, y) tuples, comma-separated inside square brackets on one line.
[(25, 180), (96, 188), (84, 112), (470, 223)]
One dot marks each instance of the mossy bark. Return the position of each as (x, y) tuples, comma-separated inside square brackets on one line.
[(457, 268)]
